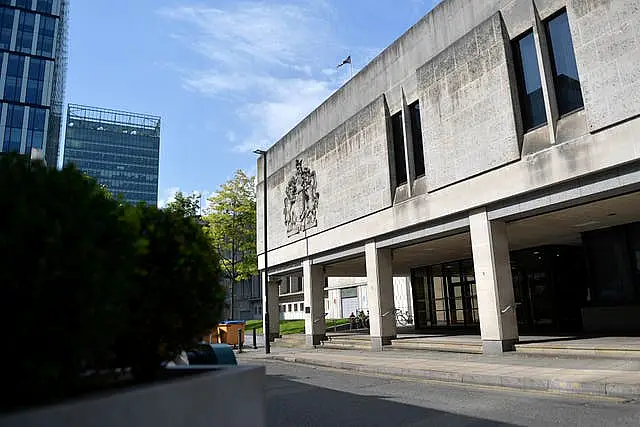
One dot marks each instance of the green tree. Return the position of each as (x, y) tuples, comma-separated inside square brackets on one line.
[(232, 228), (188, 205)]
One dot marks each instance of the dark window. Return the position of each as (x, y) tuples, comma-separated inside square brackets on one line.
[(26, 28), (45, 36), (13, 129), (6, 27), (416, 135), (398, 149), (13, 83), (44, 6), (35, 129), (24, 3), (529, 83), (35, 83), (565, 70)]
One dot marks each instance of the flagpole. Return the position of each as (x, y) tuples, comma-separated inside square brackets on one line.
[(350, 69)]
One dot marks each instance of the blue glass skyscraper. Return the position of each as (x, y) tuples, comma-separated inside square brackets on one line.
[(33, 44), (120, 150)]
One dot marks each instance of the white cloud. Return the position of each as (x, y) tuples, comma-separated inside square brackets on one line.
[(168, 196), (231, 136), (268, 57)]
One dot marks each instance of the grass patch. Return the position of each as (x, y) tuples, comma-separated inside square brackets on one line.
[(288, 327)]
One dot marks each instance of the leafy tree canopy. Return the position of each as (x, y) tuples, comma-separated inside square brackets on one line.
[(231, 223), (187, 205)]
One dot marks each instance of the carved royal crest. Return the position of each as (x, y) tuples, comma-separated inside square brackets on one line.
[(301, 200)]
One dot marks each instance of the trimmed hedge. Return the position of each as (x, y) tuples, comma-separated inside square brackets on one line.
[(88, 283)]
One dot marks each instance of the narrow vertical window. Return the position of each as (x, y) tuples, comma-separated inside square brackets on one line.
[(398, 149), (35, 129), (13, 129), (416, 136), (565, 69), (26, 28), (6, 27), (35, 81), (46, 35), (13, 82), (529, 82)]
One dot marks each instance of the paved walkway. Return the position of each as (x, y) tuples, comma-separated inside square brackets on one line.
[(594, 376)]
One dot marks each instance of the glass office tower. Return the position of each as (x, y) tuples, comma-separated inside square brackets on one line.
[(120, 150), (33, 44)]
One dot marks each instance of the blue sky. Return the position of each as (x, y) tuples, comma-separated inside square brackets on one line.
[(226, 76)]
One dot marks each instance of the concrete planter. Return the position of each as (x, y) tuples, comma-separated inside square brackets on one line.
[(220, 396)]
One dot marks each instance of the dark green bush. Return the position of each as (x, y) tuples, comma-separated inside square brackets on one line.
[(66, 259), (88, 283), (175, 297)]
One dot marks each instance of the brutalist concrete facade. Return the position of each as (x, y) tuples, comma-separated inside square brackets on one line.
[(484, 171)]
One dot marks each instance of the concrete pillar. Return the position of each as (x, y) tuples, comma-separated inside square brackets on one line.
[(314, 315), (380, 294), (496, 303), (273, 306)]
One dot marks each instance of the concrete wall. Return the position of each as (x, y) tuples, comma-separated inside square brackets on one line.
[(352, 172), (457, 62), (467, 107), (197, 400), (606, 37)]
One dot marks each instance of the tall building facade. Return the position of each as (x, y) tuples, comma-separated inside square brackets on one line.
[(491, 155), (33, 44), (121, 150)]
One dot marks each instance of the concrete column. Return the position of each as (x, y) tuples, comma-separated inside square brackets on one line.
[(314, 315), (380, 294), (273, 306), (496, 303)]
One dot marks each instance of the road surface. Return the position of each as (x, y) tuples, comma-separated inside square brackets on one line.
[(299, 395)]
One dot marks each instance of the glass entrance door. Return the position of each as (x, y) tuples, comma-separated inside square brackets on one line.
[(445, 295), (421, 302), (463, 298)]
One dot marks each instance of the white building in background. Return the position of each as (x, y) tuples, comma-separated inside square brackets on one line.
[(343, 296)]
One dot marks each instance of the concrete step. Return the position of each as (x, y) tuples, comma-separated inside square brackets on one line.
[(434, 345), (354, 345), (354, 337), (576, 351), (347, 342), (291, 341)]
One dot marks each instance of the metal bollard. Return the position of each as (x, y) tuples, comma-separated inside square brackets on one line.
[(239, 340), (255, 345)]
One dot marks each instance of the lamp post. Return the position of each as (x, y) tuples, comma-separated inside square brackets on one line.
[(267, 338)]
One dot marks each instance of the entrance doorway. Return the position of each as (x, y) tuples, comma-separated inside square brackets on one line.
[(549, 285), (445, 295)]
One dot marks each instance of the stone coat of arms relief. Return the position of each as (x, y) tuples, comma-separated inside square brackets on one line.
[(301, 200)]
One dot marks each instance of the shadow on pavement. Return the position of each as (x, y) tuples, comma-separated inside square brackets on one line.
[(291, 403)]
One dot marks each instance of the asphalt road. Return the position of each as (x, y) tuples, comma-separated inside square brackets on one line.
[(299, 396)]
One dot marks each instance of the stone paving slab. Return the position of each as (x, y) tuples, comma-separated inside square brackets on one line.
[(577, 376)]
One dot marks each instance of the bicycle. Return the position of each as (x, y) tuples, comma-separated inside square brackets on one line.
[(403, 318)]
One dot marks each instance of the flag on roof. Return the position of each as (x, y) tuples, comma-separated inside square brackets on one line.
[(347, 60)]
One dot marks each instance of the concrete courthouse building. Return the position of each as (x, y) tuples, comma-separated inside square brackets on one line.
[(492, 155)]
